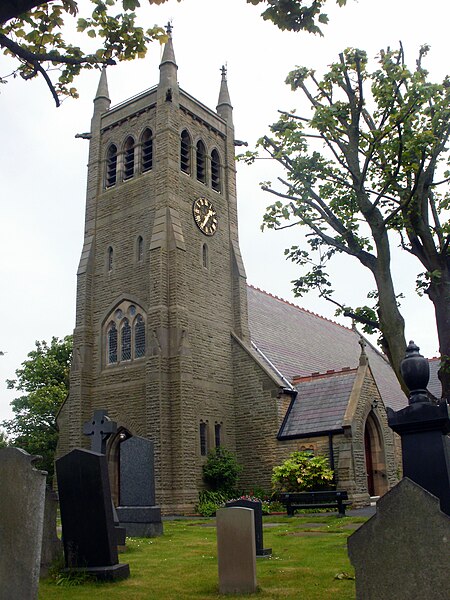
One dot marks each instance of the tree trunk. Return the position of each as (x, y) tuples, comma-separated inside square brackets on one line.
[(392, 324), (439, 294)]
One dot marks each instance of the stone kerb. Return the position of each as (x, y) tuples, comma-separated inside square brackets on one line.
[(236, 551), (22, 501)]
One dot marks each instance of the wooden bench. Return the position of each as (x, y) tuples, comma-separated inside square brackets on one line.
[(323, 499)]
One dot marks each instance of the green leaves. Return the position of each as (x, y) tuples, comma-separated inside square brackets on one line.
[(44, 379), (369, 168), (36, 41), (296, 15), (302, 471), (221, 470)]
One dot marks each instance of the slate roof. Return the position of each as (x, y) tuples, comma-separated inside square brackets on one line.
[(434, 385), (299, 342), (320, 404)]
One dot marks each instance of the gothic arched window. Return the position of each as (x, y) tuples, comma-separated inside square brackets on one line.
[(111, 337), (128, 158), (215, 171), (139, 337), (201, 161), (111, 166), (147, 150), (125, 333), (125, 340), (140, 248), (185, 152)]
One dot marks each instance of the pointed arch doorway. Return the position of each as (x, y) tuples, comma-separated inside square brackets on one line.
[(114, 462), (374, 457)]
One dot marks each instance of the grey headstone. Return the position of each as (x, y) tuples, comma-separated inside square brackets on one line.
[(137, 510), (403, 551), (87, 516), (51, 545), (22, 500), (236, 552), (137, 472), (256, 506)]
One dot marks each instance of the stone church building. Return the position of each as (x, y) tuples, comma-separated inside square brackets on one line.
[(171, 340)]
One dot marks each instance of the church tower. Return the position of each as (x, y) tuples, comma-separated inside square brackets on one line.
[(161, 316)]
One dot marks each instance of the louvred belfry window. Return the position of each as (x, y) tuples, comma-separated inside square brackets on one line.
[(201, 162), (128, 159), (215, 171), (185, 152), (111, 166), (147, 150)]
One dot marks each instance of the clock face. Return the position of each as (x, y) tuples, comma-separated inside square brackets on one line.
[(205, 216)]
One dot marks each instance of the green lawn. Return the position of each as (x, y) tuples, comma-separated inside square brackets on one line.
[(308, 553)]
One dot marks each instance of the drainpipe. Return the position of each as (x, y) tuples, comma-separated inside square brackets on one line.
[(330, 449)]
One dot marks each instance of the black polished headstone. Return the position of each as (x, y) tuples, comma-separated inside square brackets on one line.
[(86, 515), (137, 510), (99, 429), (256, 506)]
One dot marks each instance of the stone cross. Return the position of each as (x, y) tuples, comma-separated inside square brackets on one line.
[(100, 427)]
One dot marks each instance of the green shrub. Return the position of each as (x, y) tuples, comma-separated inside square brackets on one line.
[(301, 472), (209, 502), (221, 470)]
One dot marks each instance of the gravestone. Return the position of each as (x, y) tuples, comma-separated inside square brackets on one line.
[(51, 544), (256, 506), (236, 552), (99, 429), (424, 428), (22, 499), (137, 508), (403, 551), (86, 515)]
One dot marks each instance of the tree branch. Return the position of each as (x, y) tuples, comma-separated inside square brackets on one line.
[(13, 8), (347, 312), (55, 57)]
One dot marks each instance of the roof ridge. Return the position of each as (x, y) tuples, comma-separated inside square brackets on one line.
[(328, 373), (305, 310)]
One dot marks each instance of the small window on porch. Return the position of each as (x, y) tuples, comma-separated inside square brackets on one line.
[(217, 434)]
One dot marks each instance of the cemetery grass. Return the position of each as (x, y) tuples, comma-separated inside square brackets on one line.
[(309, 561)]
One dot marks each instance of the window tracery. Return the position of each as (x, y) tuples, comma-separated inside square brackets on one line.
[(125, 334)]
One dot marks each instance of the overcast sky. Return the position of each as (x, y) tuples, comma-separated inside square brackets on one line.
[(43, 166)]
